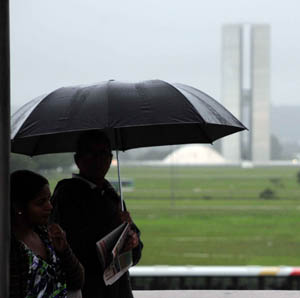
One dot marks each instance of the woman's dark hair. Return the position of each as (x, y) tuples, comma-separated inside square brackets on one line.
[(24, 187)]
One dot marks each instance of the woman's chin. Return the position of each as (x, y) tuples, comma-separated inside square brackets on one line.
[(44, 220)]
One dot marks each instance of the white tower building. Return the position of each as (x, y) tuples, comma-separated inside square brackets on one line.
[(246, 83)]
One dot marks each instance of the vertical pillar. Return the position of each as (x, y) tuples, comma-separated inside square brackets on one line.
[(260, 74), (232, 86), (4, 148)]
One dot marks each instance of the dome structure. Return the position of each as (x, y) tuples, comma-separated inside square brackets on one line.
[(194, 154)]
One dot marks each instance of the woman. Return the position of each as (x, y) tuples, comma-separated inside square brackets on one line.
[(41, 261)]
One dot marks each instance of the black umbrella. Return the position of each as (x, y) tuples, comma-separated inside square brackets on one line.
[(149, 113), (133, 115)]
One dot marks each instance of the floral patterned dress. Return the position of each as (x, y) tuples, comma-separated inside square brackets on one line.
[(45, 277)]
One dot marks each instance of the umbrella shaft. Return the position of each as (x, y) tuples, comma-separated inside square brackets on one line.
[(119, 179)]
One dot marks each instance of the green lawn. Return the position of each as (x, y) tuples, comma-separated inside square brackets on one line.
[(214, 215)]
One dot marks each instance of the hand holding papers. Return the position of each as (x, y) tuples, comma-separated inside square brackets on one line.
[(114, 259)]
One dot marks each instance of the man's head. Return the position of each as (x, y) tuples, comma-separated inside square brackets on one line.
[(93, 155)]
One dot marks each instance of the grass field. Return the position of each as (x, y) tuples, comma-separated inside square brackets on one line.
[(215, 215)]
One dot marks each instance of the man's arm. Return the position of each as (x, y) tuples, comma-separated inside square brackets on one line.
[(134, 241), (71, 212), (137, 251)]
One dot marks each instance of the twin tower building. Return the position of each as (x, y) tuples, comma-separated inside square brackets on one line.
[(246, 90)]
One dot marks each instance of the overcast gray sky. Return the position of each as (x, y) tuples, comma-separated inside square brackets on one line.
[(57, 43)]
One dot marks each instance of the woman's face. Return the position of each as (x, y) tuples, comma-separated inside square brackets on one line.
[(39, 209)]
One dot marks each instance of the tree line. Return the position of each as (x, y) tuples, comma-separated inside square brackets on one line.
[(63, 161)]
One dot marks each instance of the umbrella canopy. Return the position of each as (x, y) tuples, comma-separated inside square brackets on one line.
[(148, 113)]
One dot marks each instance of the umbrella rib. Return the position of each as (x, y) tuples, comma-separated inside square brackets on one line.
[(181, 94), (210, 107), (204, 122), (22, 111)]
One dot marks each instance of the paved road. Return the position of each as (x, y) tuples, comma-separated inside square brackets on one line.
[(217, 294)]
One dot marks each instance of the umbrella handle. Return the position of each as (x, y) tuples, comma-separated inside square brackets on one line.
[(119, 179)]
